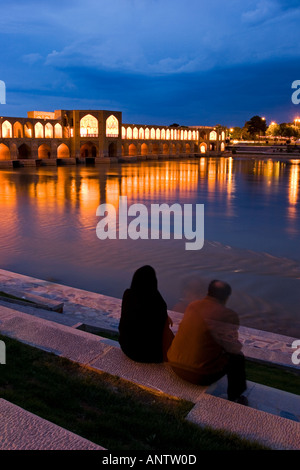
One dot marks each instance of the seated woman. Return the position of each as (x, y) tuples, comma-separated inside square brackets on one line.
[(144, 324)]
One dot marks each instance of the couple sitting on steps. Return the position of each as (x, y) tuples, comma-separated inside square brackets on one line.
[(206, 345)]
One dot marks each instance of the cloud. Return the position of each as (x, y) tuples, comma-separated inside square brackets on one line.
[(32, 58), (174, 37), (264, 10), (149, 56)]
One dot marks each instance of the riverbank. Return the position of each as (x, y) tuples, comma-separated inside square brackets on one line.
[(271, 419), (29, 162)]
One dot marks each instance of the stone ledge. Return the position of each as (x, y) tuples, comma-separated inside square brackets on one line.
[(22, 430), (37, 301), (258, 426)]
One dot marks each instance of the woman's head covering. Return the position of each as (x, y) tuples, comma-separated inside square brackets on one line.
[(144, 280)]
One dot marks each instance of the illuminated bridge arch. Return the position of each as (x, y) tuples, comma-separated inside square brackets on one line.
[(63, 151), (203, 147), (58, 131), (28, 130), (112, 126), (48, 131), (6, 129), (18, 130), (89, 126), (213, 135), (39, 130), (4, 152), (44, 151)]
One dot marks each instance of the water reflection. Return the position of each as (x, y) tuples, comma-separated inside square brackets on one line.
[(217, 182)]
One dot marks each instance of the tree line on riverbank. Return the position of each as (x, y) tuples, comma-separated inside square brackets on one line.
[(257, 127)]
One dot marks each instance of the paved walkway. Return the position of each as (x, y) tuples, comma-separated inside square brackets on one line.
[(273, 417)]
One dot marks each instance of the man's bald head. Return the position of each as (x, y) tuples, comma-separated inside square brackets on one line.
[(220, 290)]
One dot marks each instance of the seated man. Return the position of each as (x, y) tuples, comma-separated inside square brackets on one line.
[(206, 346)]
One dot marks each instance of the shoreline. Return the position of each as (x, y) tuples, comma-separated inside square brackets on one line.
[(247, 153)]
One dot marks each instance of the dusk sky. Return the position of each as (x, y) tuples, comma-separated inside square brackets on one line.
[(157, 61)]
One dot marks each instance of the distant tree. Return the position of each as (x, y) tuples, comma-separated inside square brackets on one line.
[(288, 130), (273, 129), (236, 133), (245, 134), (256, 126), (174, 125)]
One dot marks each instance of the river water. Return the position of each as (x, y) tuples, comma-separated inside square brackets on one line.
[(251, 231)]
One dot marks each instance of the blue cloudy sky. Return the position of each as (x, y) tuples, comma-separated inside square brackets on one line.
[(158, 61)]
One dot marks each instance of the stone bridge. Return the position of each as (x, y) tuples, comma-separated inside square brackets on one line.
[(95, 136)]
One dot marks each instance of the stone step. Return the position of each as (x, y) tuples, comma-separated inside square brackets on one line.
[(22, 430), (24, 298)]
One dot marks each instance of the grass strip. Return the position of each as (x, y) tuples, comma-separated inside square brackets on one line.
[(273, 376), (105, 409)]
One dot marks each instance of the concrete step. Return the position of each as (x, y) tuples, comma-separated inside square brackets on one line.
[(22, 430), (23, 298), (263, 398)]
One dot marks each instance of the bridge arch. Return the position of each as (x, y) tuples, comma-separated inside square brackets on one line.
[(39, 130), (129, 133), (4, 152), (63, 151), (155, 148), (44, 151), (88, 150), (112, 126), (28, 130), (144, 149), (132, 150), (213, 135), (135, 133), (166, 150), (48, 130), (24, 151), (17, 130), (6, 129), (203, 147), (89, 126), (58, 131), (112, 150)]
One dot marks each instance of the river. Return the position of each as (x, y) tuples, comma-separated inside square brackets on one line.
[(251, 231)]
